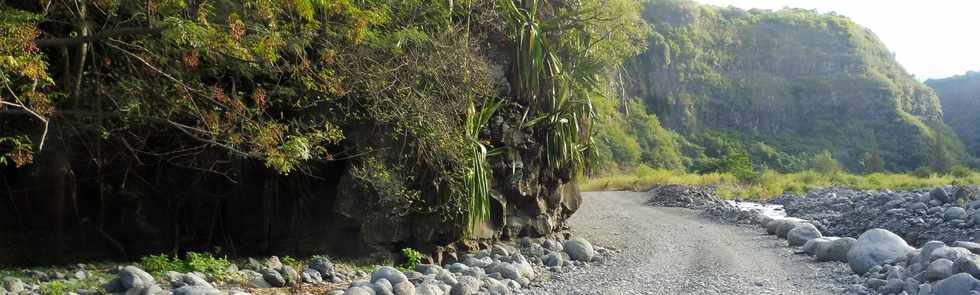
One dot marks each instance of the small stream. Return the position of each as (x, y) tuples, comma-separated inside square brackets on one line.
[(773, 211)]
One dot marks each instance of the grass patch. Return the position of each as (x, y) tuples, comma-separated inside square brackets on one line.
[(213, 267), (769, 183)]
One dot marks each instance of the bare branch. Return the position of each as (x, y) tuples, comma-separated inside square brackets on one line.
[(59, 42)]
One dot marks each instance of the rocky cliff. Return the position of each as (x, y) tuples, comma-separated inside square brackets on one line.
[(791, 81), (960, 98)]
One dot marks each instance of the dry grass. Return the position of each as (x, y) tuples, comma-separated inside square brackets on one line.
[(771, 183)]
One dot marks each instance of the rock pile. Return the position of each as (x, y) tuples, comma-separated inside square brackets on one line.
[(684, 196), (946, 214), (700, 198), (500, 270), (886, 263)]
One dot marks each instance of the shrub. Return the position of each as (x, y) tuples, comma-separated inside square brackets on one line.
[(960, 171), (922, 172), (160, 263), (207, 264), (213, 267), (412, 258), (825, 163)]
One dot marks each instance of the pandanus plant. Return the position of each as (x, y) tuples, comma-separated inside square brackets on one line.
[(559, 100), (478, 177)]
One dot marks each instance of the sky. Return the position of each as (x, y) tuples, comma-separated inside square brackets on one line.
[(930, 38)]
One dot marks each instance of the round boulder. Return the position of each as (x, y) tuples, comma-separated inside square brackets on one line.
[(837, 250), (940, 195), (954, 213), (579, 249), (940, 269), (788, 225), (811, 246), (876, 247), (802, 233), (960, 283), (390, 273)]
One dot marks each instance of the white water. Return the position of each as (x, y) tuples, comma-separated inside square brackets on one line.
[(773, 211)]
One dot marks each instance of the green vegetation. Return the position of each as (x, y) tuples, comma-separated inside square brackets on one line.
[(205, 263), (403, 101), (771, 183), (412, 258)]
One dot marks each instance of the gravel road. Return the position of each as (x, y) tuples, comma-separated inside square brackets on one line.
[(674, 251)]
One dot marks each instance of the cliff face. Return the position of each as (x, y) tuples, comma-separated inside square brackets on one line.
[(960, 97), (795, 80)]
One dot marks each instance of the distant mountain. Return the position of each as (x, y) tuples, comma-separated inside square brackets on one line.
[(960, 98), (785, 85)]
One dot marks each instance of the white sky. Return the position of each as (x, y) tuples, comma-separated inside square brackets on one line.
[(930, 38)]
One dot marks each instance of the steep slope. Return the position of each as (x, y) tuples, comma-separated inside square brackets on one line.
[(960, 98), (785, 85)]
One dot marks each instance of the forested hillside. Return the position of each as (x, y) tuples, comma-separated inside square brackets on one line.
[(299, 126), (778, 88), (960, 97)]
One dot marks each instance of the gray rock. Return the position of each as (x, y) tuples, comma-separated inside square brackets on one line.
[(552, 245), (13, 285), (197, 290), (272, 262), (788, 225), (951, 253), (312, 276), (290, 274), (498, 288), (499, 250), (428, 289), (973, 247), (273, 277), (810, 247), (360, 290), (255, 279), (940, 195), (954, 213), (926, 251), (506, 270), (383, 287), (955, 285), (553, 260), (802, 233), (132, 277), (466, 286), (457, 267), (446, 277), (876, 247), (579, 249), (924, 289), (429, 269), (875, 283), (386, 272), (968, 264), (477, 262), (404, 288), (178, 280), (911, 286), (893, 286), (940, 269), (837, 250), (323, 265), (414, 276)]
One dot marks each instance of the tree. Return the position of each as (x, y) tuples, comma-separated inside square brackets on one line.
[(873, 163), (825, 163)]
